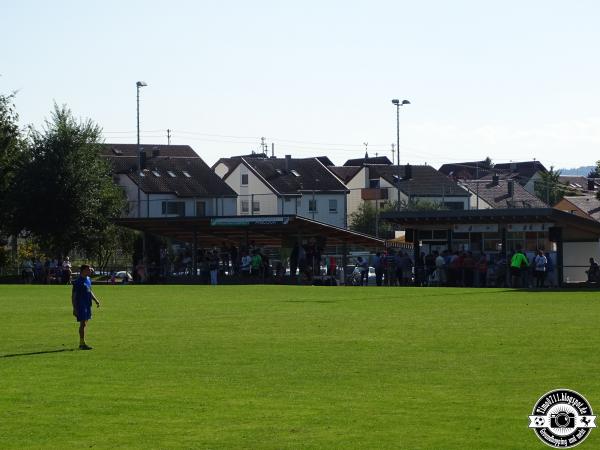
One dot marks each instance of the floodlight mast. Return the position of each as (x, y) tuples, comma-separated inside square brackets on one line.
[(138, 85), (398, 104)]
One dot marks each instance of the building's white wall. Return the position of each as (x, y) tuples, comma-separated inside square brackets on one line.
[(360, 181), (576, 260), (255, 190), (151, 205), (473, 203), (530, 185), (228, 206), (322, 213)]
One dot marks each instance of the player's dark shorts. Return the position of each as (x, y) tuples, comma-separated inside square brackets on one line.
[(84, 313), (515, 271)]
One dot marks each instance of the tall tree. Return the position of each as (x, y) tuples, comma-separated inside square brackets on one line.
[(595, 173), (549, 188), (65, 195), (11, 146)]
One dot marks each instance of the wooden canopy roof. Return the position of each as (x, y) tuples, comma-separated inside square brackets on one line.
[(263, 230)]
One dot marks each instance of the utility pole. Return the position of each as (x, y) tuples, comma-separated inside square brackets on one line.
[(168, 137)]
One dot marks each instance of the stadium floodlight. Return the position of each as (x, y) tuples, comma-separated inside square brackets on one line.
[(398, 104)]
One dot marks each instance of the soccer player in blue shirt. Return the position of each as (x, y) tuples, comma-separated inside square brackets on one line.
[(81, 298)]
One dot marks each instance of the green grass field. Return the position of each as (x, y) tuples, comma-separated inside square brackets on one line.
[(270, 367)]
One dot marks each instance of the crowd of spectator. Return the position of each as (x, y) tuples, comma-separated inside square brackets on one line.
[(51, 271)]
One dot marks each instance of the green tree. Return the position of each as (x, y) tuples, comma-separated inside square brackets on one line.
[(11, 146), (595, 173), (365, 219), (114, 242), (549, 188), (65, 196)]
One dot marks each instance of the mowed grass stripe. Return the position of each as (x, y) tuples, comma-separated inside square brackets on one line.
[(290, 367)]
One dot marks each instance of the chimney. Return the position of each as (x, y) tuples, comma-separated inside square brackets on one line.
[(591, 184), (407, 172), (272, 149), (495, 179), (288, 160), (511, 188), (142, 160), (155, 152)]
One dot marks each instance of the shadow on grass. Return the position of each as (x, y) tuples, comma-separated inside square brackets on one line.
[(38, 353)]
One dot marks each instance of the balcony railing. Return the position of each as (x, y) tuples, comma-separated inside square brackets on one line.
[(374, 193)]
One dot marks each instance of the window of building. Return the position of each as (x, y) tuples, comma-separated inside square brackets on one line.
[(173, 208), (332, 206), (186, 173), (200, 209), (244, 179), (312, 205), (155, 173), (244, 206), (296, 174), (374, 183), (171, 173), (255, 206)]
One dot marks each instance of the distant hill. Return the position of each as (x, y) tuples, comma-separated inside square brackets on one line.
[(581, 171)]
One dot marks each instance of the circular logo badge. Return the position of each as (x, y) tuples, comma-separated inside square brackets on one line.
[(562, 418)]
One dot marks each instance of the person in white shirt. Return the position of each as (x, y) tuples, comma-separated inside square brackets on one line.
[(246, 261), (440, 263), (66, 271), (540, 263)]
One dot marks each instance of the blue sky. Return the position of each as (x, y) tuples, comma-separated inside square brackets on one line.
[(512, 80)]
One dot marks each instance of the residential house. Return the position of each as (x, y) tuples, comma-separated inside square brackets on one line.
[(384, 160), (381, 184), (466, 170), (580, 185), (526, 173), (168, 181), (587, 206), (500, 194), (301, 186)]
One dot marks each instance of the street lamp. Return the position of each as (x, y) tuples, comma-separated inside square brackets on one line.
[(138, 85), (398, 104)]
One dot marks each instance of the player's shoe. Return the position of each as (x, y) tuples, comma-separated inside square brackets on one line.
[(84, 347)]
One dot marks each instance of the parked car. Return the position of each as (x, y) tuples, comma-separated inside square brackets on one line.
[(122, 276)]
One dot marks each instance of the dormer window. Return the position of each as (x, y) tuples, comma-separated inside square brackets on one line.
[(171, 174), (155, 173), (186, 174)]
